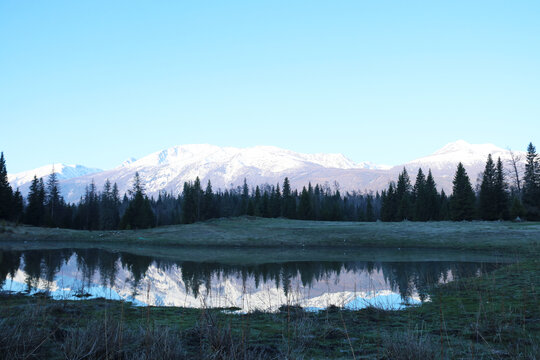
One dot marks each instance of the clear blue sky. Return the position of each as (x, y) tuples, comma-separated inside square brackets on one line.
[(95, 82)]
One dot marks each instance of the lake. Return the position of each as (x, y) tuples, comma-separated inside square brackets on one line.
[(243, 279)]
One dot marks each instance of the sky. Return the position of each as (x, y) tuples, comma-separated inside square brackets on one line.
[(97, 82)]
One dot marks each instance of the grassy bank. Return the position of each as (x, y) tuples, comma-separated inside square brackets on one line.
[(494, 316), (259, 232)]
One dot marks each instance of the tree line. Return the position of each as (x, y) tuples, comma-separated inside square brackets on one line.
[(493, 199)]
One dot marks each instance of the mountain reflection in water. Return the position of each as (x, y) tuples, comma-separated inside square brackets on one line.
[(76, 273)]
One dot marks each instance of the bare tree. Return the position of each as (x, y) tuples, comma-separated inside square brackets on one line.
[(515, 169)]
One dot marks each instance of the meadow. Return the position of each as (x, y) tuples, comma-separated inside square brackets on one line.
[(495, 315)]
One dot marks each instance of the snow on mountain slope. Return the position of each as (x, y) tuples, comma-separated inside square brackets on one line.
[(63, 172), (461, 151), (226, 167), (443, 162)]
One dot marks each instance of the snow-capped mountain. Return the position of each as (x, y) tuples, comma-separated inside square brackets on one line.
[(23, 179), (461, 151), (444, 161), (227, 167)]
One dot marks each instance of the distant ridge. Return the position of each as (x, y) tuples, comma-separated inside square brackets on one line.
[(226, 167)]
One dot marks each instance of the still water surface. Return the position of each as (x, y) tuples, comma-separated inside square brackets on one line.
[(165, 281)]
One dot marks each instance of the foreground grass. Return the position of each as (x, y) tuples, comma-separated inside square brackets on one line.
[(493, 316), (260, 232)]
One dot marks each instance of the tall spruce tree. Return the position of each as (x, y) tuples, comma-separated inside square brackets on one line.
[(463, 198), (35, 210), (6, 192), (305, 211), (18, 206), (53, 201), (432, 198), (419, 197), (288, 205), (139, 214), (403, 193), (209, 206), (108, 211), (501, 192), (487, 198), (389, 204), (531, 184)]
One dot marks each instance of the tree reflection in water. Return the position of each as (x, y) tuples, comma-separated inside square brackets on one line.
[(41, 268)]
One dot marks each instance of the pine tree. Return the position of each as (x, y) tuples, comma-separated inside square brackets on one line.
[(265, 205), (257, 202), (91, 205), (531, 184), (305, 211), (487, 197), (463, 198), (501, 192), (432, 198), (6, 192), (370, 216), (36, 208), (288, 205), (275, 202), (245, 198), (54, 203), (403, 194), (389, 204), (139, 214), (109, 216), (18, 206), (444, 207), (209, 207), (419, 197)]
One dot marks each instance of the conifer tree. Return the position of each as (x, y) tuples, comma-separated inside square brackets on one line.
[(257, 202), (245, 198), (304, 206), (403, 194), (501, 192), (108, 211), (487, 197), (288, 205), (36, 207), (432, 198), (444, 207), (91, 207), (17, 206), (389, 204), (53, 201), (275, 202), (265, 205), (463, 198), (370, 216), (188, 204), (419, 197), (531, 184), (250, 208), (6, 192), (209, 208), (139, 214)]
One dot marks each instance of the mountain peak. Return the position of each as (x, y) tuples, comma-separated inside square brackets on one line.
[(63, 171)]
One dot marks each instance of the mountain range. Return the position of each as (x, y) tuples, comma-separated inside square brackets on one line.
[(226, 167)]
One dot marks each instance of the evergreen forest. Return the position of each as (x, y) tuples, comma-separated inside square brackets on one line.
[(501, 194)]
